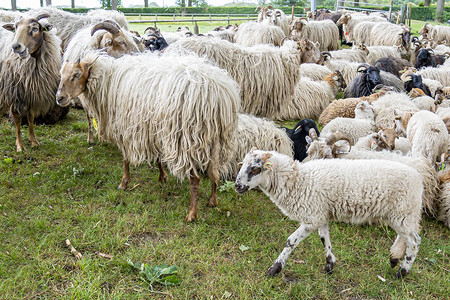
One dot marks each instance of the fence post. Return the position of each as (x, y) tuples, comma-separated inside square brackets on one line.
[(390, 10), (140, 17), (192, 19), (174, 17), (196, 28), (410, 14), (209, 18), (228, 20)]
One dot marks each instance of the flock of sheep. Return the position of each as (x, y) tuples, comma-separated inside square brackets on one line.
[(197, 104)]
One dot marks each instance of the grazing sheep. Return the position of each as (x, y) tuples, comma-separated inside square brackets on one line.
[(262, 93), (362, 125), (329, 148), (324, 32), (312, 194), (253, 33), (30, 59), (298, 136), (67, 24), (256, 132), (426, 132), (187, 120), (345, 108), (438, 33), (311, 97)]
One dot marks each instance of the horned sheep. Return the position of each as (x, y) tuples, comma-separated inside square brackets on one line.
[(303, 198), (187, 120), (324, 32), (438, 33), (29, 62)]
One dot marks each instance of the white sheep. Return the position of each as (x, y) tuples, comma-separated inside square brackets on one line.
[(388, 34), (324, 32), (357, 54), (377, 52), (444, 208), (426, 132), (180, 110), (349, 21), (314, 71), (354, 191), (385, 106), (277, 17), (253, 33), (362, 125), (441, 74), (438, 33)]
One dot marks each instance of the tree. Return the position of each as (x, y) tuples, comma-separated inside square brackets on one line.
[(145, 3), (72, 2), (427, 3), (439, 11), (13, 5), (108, 3), (48, 2), (200, 3), (279, 3)]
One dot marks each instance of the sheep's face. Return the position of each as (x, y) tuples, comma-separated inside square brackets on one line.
[(373, 76), (343, 20), (401, 121), (251, 174), (74, 77), (28, 35), (387, 138), (116, 45), (310, 52), (318, 149)]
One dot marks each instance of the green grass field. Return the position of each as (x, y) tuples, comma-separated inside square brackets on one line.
[(66, 189)]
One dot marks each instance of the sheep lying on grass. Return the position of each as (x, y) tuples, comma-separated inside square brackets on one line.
[(313, 194), (184, 111)]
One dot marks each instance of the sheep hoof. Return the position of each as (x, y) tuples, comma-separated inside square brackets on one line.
[(329, 268), (190, 218), (34, 144), (123, 186), (20, 148), (401, 273), (274, 269), (212, 202), (162, 179), (394, 262)]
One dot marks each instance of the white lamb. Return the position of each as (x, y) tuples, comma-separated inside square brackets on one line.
[(354, 191), (362, 125)]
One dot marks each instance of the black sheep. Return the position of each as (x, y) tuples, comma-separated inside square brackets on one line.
[(392, 65), (427, 58), (415, 81), (298, 136), (363, 84), (155, 43)]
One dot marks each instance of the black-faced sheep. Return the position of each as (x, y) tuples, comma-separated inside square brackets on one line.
[(364, 83), (298, 136)]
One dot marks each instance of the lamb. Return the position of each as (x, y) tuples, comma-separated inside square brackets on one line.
[(345, 108), (426, 132), (257, 132), (438, 33), (324, 32), (30, 59), (252, 33), (376, 194), (298, 136), (330, 148), (362, 125), (187, 120), (262, 94), (67, 24), (311, 97)]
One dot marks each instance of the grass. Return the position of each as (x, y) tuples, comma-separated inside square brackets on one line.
[(66, 189)]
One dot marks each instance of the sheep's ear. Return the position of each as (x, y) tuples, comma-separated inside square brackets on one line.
[(308, 140), (253, 149), (328, 152), (9, 27), (266, 156)]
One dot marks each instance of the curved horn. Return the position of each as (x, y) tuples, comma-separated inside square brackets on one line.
[(42, 16), (269, 7), (259, 7), (430, 51), (414, 39), (338, 136), (365, 66), (377, 88), (108, 26), (326, 53), (313, 134)]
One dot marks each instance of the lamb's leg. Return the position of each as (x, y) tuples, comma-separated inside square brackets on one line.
[(18, 122), (31, 137), (302, 232), (90, 137), (213, 173), (324, 234), (192, 215), (412, 247), (126, 176), (162, 172)]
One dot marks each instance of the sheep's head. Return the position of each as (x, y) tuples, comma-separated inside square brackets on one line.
[(310, 52), (405, 37), (386, 139), (343, 20), (339, 80), (363, 47), (401, 121), (152, 31), (263, 12), (298, 24), (364, 110), (416, 92), (310, 14), (327, 148), (372, 74), (425, 29), (74, 77), (255, 164), (28, 35), (413, 81), (112, 39)]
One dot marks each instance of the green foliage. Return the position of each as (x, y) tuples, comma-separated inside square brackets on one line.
[(108, 3), (226, 186), (288, 3), (157, 274), (200, 3)]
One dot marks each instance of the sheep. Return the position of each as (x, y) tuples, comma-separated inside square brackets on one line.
[(362, 125), (347, 69), (298, 136), (361, 32), (324, 32), (426, 132), (262, 93), (427, 58), (424, 102), (277, 17), (7, 16), (262, 12), (345, 108), (444, 114), (386, 105), (30, 59), (312, 194), (388, 34), (187, 120), (413, 81), (170, 37), (364, 83), (392, 65), (329, 148), (377, 52), (252, 33), (67, 24), (441, 74), (311, 97), (438, 33), (389, 140), (349, 21), (433, 85), (355, 54), (228, 33), (314, 71), (444, 211), (256, 132)]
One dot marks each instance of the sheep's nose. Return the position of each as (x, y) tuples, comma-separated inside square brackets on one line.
[(16, 48)]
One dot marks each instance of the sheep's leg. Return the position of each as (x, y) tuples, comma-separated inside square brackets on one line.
[(162, 172), (31, 136), (324, 234), (90, 137), (126, 176), (18, 122), (412, 247), (301, 233), (397, 251), (192, 215), (213, 173)]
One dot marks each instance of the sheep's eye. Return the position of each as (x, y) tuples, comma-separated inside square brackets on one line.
[(121, 43), (108, 43), (255, 170), (35, 29)]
